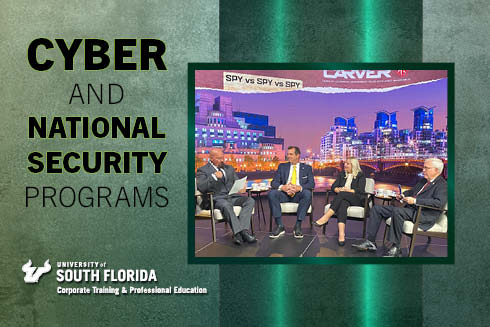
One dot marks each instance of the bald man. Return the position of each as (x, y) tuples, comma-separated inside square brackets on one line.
[(218, 178)]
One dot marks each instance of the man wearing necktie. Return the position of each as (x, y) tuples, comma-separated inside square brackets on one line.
[(430, 191), (292, 182), (218, 178)]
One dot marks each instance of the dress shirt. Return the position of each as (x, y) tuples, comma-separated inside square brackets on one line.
[(348, 182), (217, 169), (296, 166)]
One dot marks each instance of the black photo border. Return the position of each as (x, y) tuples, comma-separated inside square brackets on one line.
[(192, 67)]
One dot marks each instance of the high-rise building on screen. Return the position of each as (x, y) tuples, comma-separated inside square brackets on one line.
[(246, 138), (385, 140)]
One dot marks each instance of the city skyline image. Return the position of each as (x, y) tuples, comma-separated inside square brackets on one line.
[(367, 124)]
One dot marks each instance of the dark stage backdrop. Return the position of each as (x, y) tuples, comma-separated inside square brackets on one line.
[(239, 295)]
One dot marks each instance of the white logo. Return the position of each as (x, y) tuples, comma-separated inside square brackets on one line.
[(356, 74), (34, 273)]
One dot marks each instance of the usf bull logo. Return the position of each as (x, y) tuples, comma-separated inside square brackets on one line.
[(34, 273)]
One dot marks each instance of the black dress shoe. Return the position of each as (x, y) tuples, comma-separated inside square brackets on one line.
[(320, 225), (249, 238), (297, 231), (394, 252), (341, 243), (278, 232), (366, 245), (237, 239)]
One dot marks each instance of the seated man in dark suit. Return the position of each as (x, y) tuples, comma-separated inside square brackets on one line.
[(430, 191), (218, 178), (293, 182)]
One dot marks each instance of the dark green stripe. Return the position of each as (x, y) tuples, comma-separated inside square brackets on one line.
[(320, 31), (313, 31), (376, 281)]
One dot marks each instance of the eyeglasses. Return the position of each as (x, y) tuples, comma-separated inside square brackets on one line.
[(425, 168)]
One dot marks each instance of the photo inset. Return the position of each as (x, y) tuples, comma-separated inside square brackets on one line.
[(321, 163)]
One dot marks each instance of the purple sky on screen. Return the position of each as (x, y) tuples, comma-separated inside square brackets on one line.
[(302, 118)]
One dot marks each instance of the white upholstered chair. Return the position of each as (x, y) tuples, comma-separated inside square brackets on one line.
[(357, 212), (412, 229), (214, 215), (291, 209)]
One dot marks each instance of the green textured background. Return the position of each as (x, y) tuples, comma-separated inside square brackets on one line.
[(251, 31), (458, 31), (125, 238)]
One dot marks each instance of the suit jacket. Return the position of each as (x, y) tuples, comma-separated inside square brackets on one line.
[(220, 188), (358, 183), (434, 195), (306, 179)]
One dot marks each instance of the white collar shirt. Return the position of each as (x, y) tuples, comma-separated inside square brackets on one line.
[(217, 169)]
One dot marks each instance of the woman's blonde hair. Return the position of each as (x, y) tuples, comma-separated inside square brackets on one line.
[(356, 168)]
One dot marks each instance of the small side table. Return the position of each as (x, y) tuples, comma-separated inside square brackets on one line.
[(384, 198), (257, 195)]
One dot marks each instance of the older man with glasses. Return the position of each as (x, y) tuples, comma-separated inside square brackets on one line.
[(430, 191)]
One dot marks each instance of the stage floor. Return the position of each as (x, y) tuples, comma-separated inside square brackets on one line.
[(313, 244)]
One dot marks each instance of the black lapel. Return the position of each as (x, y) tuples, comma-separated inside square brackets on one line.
[(227, 172), (288, 166), (211, 168), (429, 186)]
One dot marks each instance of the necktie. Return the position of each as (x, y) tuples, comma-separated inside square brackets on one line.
[(224, 174), (293, 176), (423, 188)]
